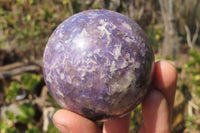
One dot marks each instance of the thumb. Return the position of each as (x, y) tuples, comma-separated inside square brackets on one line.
[(69, 122)]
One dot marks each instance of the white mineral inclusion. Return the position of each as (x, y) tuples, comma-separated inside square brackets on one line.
[(58, 92), (126, 25), (113, 67), (117, 51), (123, 83), (61, 35), (62, 76), (103, 29)]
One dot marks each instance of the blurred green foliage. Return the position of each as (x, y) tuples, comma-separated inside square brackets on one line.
[(27, 113), (52, 129), (193, 70), (154, 35), (191, 123), (136, 118), (28, 82), (26, 116), (192, 83), (27, 24), (11, 91), (33, 130)]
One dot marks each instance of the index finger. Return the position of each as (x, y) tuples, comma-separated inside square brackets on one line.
[(165, 78)]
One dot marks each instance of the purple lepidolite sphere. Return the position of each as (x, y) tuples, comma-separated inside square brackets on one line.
[(98, 63)]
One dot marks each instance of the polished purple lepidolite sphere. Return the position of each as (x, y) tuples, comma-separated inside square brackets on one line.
[(98, 63)]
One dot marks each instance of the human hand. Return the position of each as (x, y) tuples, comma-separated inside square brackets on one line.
[(156, 109)]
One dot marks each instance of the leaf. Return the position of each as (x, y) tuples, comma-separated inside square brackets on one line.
[(10, 115), (22, 118), (3, 125), (30, 81), (33, 130), (12, 91), (11, 130), (27, 113), (52, 129), (27, 109)]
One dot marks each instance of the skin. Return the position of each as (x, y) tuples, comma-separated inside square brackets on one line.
[(156, 109)]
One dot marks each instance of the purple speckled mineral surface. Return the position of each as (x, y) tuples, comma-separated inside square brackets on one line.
[(98, 63)]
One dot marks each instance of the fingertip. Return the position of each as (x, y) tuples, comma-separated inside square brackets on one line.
[(60, 121), (67, 121), (165, 76), (165, 79)]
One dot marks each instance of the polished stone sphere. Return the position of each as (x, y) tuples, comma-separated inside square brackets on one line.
[(99, 64)]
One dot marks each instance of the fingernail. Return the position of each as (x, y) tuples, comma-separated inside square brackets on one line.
[(171, 71), (61, 128)]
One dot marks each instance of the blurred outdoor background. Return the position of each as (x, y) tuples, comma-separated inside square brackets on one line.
[(25, 26)]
